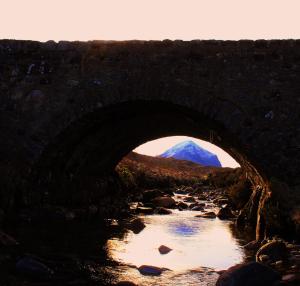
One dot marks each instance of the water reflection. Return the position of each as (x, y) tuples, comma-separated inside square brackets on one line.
[(183, 229), (196, 242)]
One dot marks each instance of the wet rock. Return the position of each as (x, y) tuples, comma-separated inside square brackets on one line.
[(162, 211), (193, 205), (31, 267), (150, 270), (144, 210), (276, 250), (182, 205), (7, 240), (136, 225), (225, 213), (207, 215), (164, 249), (197, 208), (249, 274), (165, 202), (189, 199)]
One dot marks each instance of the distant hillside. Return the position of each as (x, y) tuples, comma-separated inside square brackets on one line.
[(189, 150), (157, 171)]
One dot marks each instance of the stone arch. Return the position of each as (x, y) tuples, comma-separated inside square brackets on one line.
[(72, 167)]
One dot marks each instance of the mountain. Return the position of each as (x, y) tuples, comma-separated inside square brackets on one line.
[(190, 151)]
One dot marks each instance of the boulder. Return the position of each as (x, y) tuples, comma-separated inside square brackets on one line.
[(225, 213), (33, 268), (207, 215), (248, 274), (165, 202), (276, 250), (150, 270), (164, 249), (182, 205), (136, 225), (162, 211)]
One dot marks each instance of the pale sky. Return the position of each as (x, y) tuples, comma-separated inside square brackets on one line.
[(149, 19), (157, 147)]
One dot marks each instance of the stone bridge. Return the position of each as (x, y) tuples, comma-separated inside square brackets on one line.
[(71, 110)]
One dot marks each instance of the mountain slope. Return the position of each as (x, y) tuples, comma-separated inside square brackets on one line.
[(166, 167), (190, 151)]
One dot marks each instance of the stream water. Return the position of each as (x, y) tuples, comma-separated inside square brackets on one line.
[(107, 252), (200, 247)]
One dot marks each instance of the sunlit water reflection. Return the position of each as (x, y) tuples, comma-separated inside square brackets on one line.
[(200, 247)]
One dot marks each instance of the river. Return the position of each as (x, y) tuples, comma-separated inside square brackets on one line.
[(200, 247)]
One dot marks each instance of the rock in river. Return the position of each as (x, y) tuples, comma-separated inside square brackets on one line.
[(182, 205), (197, 208), (150, 270), (136, 225), (248, 274), (165, 202), (207, 215), (225, 213), (163, 211), (164, 249)]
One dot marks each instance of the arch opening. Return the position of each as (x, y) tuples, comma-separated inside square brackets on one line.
[(78, 167)]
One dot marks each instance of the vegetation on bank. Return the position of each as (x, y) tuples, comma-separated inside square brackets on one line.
[(139, 172)]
